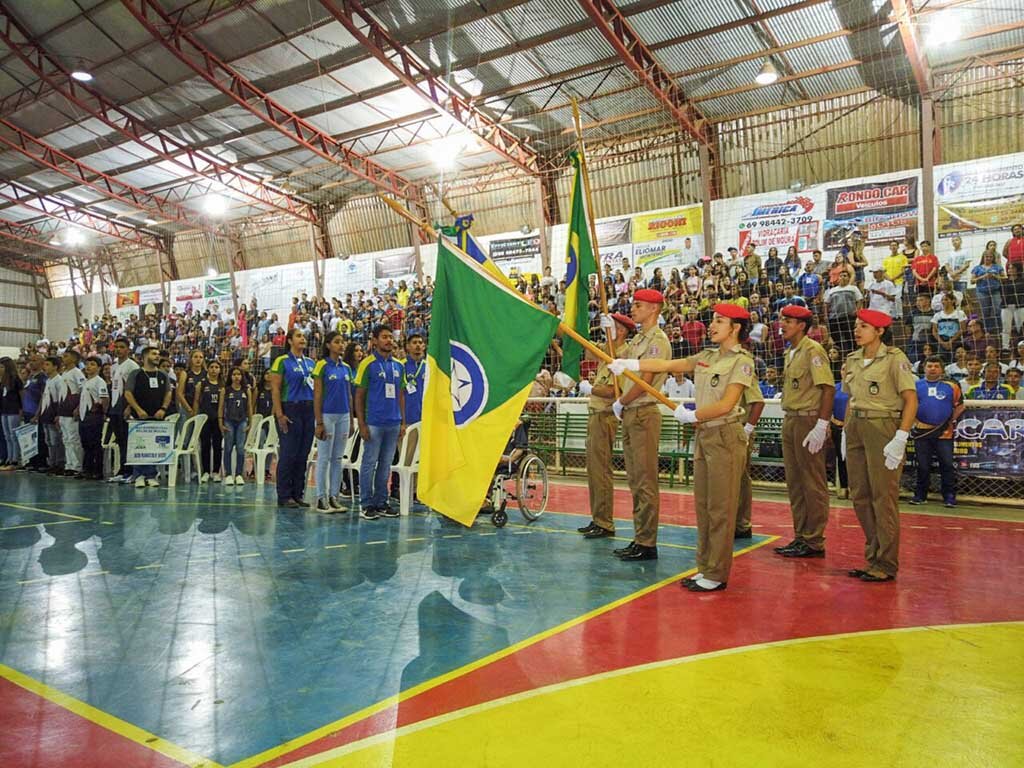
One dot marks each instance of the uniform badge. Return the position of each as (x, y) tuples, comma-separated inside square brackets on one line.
[(747, 370), (714, 380), (905, 366), (796, 383), (817, 362), (873, 389)]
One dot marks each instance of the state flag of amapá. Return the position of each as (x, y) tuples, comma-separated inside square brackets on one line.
[(461, 236), (486, 345), (579, 266)]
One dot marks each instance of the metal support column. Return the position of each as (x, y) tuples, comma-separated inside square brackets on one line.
[(74, 293), (707, 193), (928, 167), (542, 223)]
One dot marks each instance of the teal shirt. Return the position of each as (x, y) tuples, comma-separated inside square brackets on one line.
[(296, 378)]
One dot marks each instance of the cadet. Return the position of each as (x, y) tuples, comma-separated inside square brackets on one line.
[(601, 428), (807, 394), (882, 409), (720, 376), (641, 426)]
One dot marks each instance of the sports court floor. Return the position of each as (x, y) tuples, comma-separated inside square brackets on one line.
[(202, 626)]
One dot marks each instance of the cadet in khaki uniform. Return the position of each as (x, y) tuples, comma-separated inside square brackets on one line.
[(880, 414), (751, 407), (720, 375), (601, 428), (807, 394), (641, 426)]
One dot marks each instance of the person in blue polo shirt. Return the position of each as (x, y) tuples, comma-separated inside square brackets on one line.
[(990, 388), (380, 409), (939, 405), (292, 390), (331, 382), (415, 366)]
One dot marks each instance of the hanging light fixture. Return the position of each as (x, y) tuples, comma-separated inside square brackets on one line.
[(768, 74)]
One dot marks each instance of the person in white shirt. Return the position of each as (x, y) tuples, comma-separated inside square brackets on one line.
[(958, 264), (92, 406), (53, 394), (119, 372), (882, 293), (942, 287), (678, 387), (73, 379), (948, 326)]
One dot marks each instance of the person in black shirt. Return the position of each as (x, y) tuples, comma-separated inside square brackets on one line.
[(207, 401), (10, 408), (148, 393)]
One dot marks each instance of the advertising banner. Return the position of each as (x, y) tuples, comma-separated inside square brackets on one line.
[(613, 241), (516, 254), (127, 299), (394, 267), (981, 196), (186, 291), (218, 287), (150, 442), (780, 225), (881, 211), (28, 441), (990, 442), (669, 238)]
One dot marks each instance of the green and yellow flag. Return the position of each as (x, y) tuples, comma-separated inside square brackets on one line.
[(580, 264), (486, 345)]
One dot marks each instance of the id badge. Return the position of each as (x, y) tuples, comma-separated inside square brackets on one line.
[(309, 382), (154, 382), (389, 390), (411, 387)]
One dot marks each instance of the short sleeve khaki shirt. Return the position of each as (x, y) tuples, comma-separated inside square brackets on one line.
[(877, 385), (714, 370), (806, 369), (651, 344)]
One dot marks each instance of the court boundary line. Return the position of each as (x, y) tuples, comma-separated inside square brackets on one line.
[(75, 518)]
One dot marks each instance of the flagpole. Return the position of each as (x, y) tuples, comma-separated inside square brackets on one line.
[(404, 212), (588, 202)]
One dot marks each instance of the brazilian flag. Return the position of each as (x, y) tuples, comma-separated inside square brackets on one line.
[(486, 345), (579, 266)]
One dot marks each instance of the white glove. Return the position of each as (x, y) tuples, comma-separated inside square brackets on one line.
[(749, 429), (563, 380), (617, 409), (842, 445), (619, 365), (815, 439), (895, 449), (586, 388), (685, 415), (607, 322)]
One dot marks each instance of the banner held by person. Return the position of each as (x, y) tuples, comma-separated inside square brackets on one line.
[(580, 264), (28, 441), (150, 442), (477, 382)]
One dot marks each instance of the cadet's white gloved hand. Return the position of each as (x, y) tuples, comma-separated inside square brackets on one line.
[(607, 322), (815, 439), (617, 409), (685, 415), (749, 429), (895, 449), (842, 445), (585, 388), (619, 365)]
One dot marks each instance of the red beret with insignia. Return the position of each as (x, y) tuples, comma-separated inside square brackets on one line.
[(732, 311), (875, 318), (795, 310), (649, 294), (624, 320)]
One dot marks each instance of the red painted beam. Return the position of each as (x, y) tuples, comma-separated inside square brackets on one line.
[(17, 38), (903, 11)]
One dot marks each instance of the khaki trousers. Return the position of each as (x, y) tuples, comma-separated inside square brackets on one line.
[(717, 465), (806, 481), (641, 433), (875, 490), (746, 494), (601, 428)]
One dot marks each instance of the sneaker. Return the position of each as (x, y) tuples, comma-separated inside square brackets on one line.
[(369, 513), (323, 506), (115, 479), (229, 480), (336, 504), (140, 482), (152, 482), (127, 480), (949, 502), (390, 512), (204, 478), (915, 501), (239, 480)]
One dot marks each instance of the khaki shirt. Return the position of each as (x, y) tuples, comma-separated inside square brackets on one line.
[(877, 386), (651, 344), (805, 370), (751, 394), (714, 370), (603, 378)]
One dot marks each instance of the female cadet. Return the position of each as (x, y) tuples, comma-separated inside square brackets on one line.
[(207, 401), (292, 390), (185, 392), (721, 376), (332, 381), (879, 415)]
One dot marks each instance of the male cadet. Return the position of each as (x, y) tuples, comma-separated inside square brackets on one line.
[(601, 428), (939, 405), (752, 404), (641, 426), (807, 393)]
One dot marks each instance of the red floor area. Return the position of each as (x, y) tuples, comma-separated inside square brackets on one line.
[(953, 570)]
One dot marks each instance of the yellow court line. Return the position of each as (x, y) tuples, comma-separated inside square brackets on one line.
[(106, 720), (380, 706), (36, 525), (394, 735), (78, 518), (533, 527)]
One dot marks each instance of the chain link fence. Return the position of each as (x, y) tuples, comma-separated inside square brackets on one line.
[(558, 432)]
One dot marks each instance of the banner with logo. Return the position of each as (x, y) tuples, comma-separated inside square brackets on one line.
[(127, 299), (990, 442), (614, 241), (780, 224), (516, 254), (28, 441), (880, 210), (669, 238), (150, 442), (218, 287), (981, 196), (186, 290)]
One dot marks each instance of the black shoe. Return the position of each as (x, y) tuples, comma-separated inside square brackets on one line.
[(870, 577), (369, 513), (323, 506), (588, 527), (916, 501), (301, 503), (628, 549), (641, 552), (787, 547), (597, 532), (856, 573), (693, 586), (803, 550), (390, 512), (288, 504), (747, 534)]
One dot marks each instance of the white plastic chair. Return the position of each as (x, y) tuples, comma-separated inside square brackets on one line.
[(172, 419), (407, 467), (350, 459), (251, 439), (111, 451), (187, 448), (310, 495), (263, 445)]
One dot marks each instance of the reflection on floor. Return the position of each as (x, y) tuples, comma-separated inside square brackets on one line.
[(204, 626)]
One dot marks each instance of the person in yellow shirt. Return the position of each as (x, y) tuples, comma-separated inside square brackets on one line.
[(895, 263)]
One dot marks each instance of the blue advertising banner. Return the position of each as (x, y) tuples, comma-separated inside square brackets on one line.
[(990, 441)]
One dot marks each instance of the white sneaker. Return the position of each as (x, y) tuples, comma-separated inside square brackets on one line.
[(204, 478), (127, 480), (239, 480), (115, 479), (140, 482), (229, 480), (152, 482)]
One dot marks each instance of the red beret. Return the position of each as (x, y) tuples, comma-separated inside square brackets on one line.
[(732, 311), (795, 310), (649, 294), (875, 318), (624, 320)]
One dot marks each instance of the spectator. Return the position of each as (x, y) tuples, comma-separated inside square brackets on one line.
[(1013, 249), (770, 383), (987, 278), (791, 264), (948, 326), (1012, 302), (895, 263), (882, 294), (926, 267), (990, 388), (810, 284), (1012, 380), (958, 265), (678, 387), (11, 409), (939, 405), (841, 304)]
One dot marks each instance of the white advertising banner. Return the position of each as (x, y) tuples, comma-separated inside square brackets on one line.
[(150, 442)]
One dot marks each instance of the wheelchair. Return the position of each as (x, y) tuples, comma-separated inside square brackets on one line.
[(529, 474)]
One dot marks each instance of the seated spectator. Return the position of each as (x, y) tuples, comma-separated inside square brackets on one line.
[(947, 326), (990, 388)]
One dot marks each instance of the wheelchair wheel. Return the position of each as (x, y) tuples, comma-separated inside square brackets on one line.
[(532, 487), (499, 518)]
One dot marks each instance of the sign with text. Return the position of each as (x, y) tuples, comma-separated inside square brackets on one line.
[(28, 441), (669, 238), (880, 210), (780, 225), (990, 441), (150, 442)]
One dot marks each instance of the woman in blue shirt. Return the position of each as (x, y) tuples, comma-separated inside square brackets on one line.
[(292, 391), (839, 403), (987, 278), (332, 381)]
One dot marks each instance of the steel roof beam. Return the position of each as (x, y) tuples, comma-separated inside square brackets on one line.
[(903, 10), (49, 69)]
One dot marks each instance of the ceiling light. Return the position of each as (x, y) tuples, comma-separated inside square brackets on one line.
[(55, 241), (211, 272), (942, 29), (75, 237), (215, 205), (768, 74), (81, 76), (150, 222), (450, 148)]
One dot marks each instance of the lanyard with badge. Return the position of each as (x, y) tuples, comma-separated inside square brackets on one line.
[(300, 365), (410, 386), (390, 387)]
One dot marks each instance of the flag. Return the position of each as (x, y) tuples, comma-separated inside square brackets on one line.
[(579, 266), (486, 345), (459, 233)]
